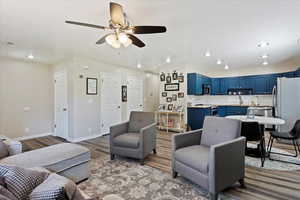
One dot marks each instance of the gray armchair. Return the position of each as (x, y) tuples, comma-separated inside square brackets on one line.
[(214, 157), (136, 138)]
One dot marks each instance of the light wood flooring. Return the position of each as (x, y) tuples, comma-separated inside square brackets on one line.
[(261, 183)]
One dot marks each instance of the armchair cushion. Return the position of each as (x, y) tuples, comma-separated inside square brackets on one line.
[(128, 140), (139, 120), (219, 129), (3, 150), (196, 157)]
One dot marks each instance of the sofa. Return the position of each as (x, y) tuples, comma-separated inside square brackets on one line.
[(66, 159)]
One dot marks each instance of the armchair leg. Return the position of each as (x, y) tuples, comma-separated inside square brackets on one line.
[(142, 161), (174, 174), (242, 183), (154, 151), (213, 196), (112, 156)]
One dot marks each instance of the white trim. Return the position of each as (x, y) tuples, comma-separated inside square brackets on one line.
[(32, 136), (75, 140)]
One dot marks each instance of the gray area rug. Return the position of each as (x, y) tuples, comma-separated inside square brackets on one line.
[(124, 179), (274, 165)]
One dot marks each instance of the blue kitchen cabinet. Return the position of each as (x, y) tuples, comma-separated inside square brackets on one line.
[(236, 110), (288, 74), (215, 86), (260, 84), (233, 82), (224, 85), (196, 117), (194, 86), (297, 73), (196, 82), (222, 111), (246, 82)]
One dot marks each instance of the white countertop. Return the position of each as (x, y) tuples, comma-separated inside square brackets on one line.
[(260, 120)]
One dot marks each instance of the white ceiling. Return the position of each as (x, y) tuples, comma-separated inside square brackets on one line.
[(230, 29)]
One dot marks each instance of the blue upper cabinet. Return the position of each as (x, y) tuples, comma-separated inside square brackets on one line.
[(297, 73), (195, 83), (261, 84), (215, 89)]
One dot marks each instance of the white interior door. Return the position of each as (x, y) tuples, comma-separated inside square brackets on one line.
[(61, 105), (110, 100), (135, 94)]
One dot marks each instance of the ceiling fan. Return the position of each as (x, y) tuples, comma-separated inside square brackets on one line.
[(122, 31)]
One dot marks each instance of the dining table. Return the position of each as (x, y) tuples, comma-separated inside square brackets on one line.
[(262, 121)]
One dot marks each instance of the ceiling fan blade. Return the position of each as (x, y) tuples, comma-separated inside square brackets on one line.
[(148, 29), (102, 40), (117, 14), (136, 41), (85, 24)]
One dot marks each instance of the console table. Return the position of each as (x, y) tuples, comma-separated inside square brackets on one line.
[(168, 120)]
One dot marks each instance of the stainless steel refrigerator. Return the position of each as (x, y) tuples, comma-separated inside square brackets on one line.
[(286, 100)]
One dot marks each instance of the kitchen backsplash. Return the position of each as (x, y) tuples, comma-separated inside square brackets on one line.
[(265, 100)]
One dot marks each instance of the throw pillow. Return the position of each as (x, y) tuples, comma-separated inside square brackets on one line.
[(55, 187), (3, 150), (7, 194), (20, 181)]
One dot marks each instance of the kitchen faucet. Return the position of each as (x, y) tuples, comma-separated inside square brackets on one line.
[(241, 100)]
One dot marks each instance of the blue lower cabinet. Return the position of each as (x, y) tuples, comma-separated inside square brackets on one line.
[(196, 117), (222, 111)]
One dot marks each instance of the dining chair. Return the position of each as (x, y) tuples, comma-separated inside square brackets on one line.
[(255, 133), (293, 136)]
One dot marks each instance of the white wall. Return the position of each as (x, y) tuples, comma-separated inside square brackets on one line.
[(85, 110), (26, 98)]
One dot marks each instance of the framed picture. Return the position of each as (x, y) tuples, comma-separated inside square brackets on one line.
[(162, 77), (175, 75), (169, 79), (91, 86), (170, 107), (180, 95), (164, 94), (169, 99), (172, 87), (124, 93), (181, 79), (174, 97)]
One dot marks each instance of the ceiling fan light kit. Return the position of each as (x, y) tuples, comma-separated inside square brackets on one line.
[(122, 31)]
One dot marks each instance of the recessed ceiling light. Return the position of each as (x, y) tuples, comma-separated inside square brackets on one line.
[(265, 62), (168, 60), (263, 44), (139, 65), (30, 56), (148, 75), (207, 54), (265, 56), (86, 67), (226, 67), (219, 62)]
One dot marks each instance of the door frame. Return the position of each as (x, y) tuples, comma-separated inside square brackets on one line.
[(64, 73), (112, 74)]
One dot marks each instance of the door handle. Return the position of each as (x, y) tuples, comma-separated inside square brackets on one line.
[(64, 109), (119, 106)]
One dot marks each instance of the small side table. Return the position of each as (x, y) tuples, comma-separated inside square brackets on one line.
[(14, 147)]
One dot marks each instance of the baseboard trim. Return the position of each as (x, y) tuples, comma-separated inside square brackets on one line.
[(32, 136), (80, 139)]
